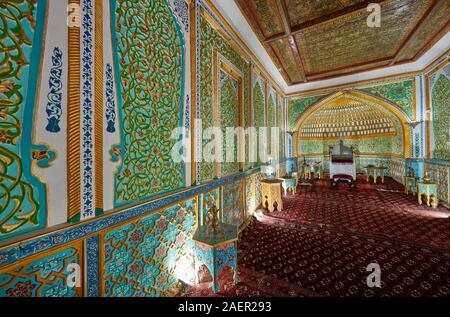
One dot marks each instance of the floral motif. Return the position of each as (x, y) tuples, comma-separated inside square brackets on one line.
[(87, 110), (151, 67), (110, 106), (21, 289), (154, 262), (233, 203), (54, 96), (441, 117), (229, 117), (43, 277), (211, 40), (401, 93), (181, 9), (297, 106), (20, 210)]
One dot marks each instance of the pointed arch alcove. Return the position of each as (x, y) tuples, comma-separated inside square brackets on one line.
[(372, 125)]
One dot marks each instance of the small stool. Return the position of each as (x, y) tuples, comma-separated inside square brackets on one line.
[(429, 189), (271, 192)]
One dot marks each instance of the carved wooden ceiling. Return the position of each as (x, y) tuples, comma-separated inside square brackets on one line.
[(321, 39)]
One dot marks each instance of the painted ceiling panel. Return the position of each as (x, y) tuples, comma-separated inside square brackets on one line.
[(348, 41), (439, 24), (284, 52), (327, 38), (301, 11), (268, 17)]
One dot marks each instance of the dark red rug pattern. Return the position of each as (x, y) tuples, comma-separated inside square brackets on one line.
[(325, 237), (251, 284), (333, 263), (382, 210)]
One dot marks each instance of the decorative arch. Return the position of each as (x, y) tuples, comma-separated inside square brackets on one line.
[(441, 118), (366, 98), (151, 98)]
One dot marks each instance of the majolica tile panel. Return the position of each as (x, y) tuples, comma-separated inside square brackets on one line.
[(233, 205), (149, 257), (439, 174), (297, 106), (440, 99), (150, 48), (401, 93), (55, 274), (22, 196), (212, 40), (228, 118)]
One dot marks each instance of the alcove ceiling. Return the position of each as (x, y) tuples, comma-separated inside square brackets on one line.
[(322, 39), (307, 45), (346, 117)]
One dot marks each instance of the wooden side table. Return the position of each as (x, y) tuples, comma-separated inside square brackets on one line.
[(429, 189), (215, 251), (271, 194), (306, 172), (317, 169), (295, 175), (289, 183), (375, 172), (410, 185)]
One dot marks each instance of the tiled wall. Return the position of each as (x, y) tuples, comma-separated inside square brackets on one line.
[(142, 251)]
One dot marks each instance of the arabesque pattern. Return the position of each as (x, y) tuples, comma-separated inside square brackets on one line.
[(400, 93), (151, 58), (233, 204), (46, 276), (212, 41), (441, 118), (229, 118), (149, 256), (19, 201)]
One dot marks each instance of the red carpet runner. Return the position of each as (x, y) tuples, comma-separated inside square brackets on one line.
[(322, 242)]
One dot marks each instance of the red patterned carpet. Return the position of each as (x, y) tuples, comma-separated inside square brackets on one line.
[(322, 242)]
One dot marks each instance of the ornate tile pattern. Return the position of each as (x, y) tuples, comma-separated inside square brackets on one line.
[(233, 212), (441, 117), (152, 85), (54, 96), (13, 253), (210, 40), (400, 93), (147, 257), (271, 120), (229, 118), (92, 266), (46, 276), (87, 110), (297, 106), (110, 103), (21, 209), (281, 120), (440, 174)]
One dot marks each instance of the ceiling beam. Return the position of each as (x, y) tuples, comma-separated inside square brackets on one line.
[(253, 20), (350, 69), (412, 35), (292, 42), (298, 28), (278, 63)]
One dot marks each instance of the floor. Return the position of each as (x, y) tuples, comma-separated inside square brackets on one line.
[(321, 243)]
